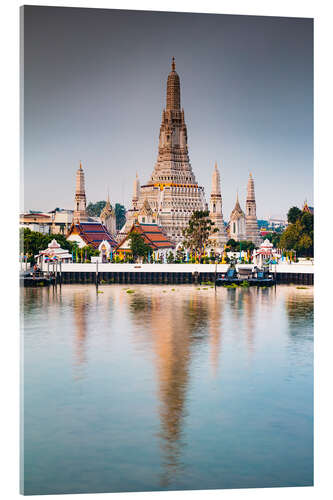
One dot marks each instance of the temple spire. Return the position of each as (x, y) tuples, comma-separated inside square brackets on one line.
[(252, 230), (80, 213), (215, 210), (173, 89)]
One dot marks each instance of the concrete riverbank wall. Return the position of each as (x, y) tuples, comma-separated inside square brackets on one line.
[(170, 273)]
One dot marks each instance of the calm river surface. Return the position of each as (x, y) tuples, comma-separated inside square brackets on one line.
[(167, 388)]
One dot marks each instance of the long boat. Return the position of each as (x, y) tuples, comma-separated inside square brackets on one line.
[(36, 279), (246, 276)]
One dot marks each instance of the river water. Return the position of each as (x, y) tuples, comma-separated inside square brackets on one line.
[(166, 388)]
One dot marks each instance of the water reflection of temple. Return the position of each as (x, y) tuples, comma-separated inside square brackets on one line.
[(80, 302), (177, 324), (250, 300), (215, 311)]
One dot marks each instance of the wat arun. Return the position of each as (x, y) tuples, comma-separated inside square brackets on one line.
[(172, 190)]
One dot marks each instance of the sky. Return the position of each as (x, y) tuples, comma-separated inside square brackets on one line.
[(94, 89)]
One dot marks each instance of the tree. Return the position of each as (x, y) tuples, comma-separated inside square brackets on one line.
[(120, 212), (200, 228), (170, 258), (298, 235), (94, 209), (138, 246), (293, 214), (232, 244), (32, 242), (274, 238), (237, 246)]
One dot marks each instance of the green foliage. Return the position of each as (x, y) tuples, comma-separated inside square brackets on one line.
[(94, 209), (237, 246), (298, 235), (274, 238), (170, 258), (138, 246), (232, 244), (86, 253), (180, 255), (120, 212), (293, 214), (32, 242), (200, 227)]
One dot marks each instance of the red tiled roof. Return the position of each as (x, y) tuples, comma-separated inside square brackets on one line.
[(153, 236), (93, 233)]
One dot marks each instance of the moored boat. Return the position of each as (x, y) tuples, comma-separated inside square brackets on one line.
[(246, 276)]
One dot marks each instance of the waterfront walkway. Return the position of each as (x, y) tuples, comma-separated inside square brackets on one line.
[(170, 273)]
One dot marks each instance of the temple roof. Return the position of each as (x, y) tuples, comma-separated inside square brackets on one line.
[(107, 210), (92, 233), (308, 209), (237, 211), (152, 234), (146, 208)]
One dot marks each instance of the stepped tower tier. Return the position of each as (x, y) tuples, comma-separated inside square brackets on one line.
[(215, 211), (172, 190), (80, 212), (252, 230), (237, 226)]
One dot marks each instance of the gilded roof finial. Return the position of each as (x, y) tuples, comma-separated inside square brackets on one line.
[(80, 165), (173, 64)]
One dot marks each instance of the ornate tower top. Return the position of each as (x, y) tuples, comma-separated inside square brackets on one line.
[(250, 189), (237, 211), (216, 183), (80, 213), (107, 210), (136, 192), (173, 89)]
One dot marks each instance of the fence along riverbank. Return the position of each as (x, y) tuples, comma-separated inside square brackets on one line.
[(170, 273)]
